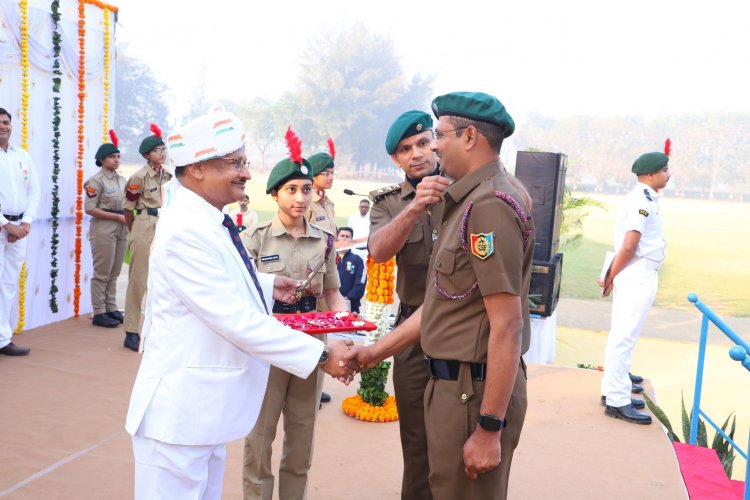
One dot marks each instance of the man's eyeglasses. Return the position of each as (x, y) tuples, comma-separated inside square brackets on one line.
[(327, 174), (439, 134), (236, 163)]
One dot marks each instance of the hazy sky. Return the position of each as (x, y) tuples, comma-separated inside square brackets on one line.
[(647, 58)]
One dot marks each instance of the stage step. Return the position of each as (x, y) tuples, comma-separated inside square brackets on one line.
[(704, 475)]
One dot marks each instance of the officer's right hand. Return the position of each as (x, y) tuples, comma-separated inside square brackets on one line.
[(430, 191), (337, 365), (360, 358)]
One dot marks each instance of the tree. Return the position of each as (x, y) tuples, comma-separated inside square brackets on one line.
[(139, 101), (265, 121)]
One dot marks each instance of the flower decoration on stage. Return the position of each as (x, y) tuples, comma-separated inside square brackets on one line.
[(331, 148), (21, 300), (79, 158), (668, 147), (55, 211), (102, 5), (372, 403), (105, 83)]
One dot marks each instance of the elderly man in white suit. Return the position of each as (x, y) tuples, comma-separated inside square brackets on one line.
[(208, 336)]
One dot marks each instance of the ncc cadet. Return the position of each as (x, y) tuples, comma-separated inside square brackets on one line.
[(474, 322), (400, 225), (290, 246), (108, 232), (639, 252), (142, 196)]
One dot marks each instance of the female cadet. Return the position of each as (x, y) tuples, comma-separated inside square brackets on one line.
[(108, 234), (290, 246)]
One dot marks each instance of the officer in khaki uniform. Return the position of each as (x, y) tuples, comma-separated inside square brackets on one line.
[(108, 234), (290, 246), (474, 324), (321, 212), (142, 195), (400, 224)]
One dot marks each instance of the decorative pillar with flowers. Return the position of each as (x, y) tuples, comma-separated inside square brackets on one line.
[(372, 403)]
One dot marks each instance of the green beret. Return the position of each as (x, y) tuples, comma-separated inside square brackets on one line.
[(410, 123), (649, 163), (149, 143), (286, 170), (104, 151), (474, 106), (320, 162)]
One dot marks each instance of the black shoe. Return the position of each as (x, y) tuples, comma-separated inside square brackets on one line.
[(628, 414), (14, 350), (638, 404), (132, 341), (116, 315), (104, 320), (325, 397), (636, 379), (636, 389)]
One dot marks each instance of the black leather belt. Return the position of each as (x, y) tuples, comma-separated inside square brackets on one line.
[(149, 211), (305, 304), (113, 211), (13, 218), (447, 369), (405, 310)]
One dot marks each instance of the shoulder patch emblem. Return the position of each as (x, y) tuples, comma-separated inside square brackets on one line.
[(90, 191), (134, 187), (482, 244), (643, 212), (648, 195)]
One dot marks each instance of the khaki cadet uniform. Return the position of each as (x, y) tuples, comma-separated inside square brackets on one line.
[(142, 194), (321, 213), (409, 374), (277, 252), (484, 247), (106, 190)]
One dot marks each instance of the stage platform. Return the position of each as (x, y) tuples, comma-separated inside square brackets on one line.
[(63, 411)]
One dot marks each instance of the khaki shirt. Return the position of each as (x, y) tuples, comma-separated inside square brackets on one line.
[(477, 255), (144, 188), (105, 189), (321, 213), (276, 251), (414, 258)]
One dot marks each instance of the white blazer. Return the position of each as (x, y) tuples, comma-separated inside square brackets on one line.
[(208, 341)]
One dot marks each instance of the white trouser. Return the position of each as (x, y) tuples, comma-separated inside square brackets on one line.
[(168, 471), (11, 259), (634, 292)]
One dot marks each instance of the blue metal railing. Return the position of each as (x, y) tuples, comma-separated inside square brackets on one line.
[(740, 352)]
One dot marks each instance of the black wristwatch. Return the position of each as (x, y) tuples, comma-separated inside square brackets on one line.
[(323, 356), (491, 422)]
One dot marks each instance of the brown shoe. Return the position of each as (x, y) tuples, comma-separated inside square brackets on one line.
[(14, 350)]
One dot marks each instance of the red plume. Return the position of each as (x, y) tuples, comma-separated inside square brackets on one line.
[(668, 147), (294, 144), (156, 130), (331, 148), (114, 138)]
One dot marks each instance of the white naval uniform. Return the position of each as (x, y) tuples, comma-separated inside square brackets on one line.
[(634, 289), (208, 343), (19, 194)]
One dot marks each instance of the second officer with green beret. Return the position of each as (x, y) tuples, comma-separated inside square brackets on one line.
[(290, 246)]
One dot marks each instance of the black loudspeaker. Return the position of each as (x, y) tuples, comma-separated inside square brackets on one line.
[(544, 290), (543, 175)]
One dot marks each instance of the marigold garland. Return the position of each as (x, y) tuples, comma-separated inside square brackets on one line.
[(380, 281), (102, 5), (354, 407), (79, 161), (24, 10), (55, 211), (105, 84)]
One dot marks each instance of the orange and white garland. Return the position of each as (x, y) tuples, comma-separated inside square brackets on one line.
[(79, 158), (107, 38), (24, 7), (379, 294)]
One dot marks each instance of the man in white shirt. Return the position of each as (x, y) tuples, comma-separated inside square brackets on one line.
[(208, 336), (360, 221), (633, 275), (19, 199)]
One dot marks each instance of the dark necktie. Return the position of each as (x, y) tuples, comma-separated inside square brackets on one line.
[(243, 253)]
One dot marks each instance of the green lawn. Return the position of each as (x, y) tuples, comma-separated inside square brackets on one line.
[(707, 253)]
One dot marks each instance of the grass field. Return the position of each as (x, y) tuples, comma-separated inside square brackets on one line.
[(707, 245)]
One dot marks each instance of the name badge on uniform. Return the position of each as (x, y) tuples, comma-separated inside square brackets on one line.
[(322, 217), (152, 189), (269, 258), (483, 244)]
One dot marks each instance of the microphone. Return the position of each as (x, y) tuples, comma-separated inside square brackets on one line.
[(352, 193)]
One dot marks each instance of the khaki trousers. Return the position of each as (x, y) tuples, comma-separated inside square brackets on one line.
[(144, 227), (450, 421), (298, 399), (410, 378), (108, 241)]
